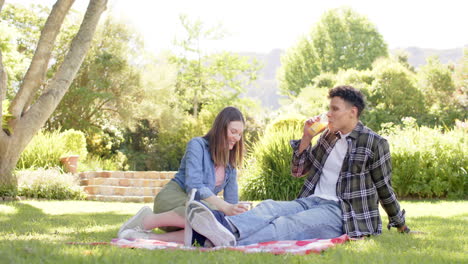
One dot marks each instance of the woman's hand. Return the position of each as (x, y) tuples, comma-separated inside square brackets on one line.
[(225, 207), (234, 209)]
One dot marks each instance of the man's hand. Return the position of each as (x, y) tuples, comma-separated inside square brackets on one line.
[(306, 136), (403, 229), (308, 123)]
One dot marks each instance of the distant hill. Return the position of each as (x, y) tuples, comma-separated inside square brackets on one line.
[(265, 88), (417, 56)]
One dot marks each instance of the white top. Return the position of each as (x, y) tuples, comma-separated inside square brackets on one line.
[(326, 187)]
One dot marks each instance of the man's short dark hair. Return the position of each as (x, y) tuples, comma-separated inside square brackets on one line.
[(350, 95)]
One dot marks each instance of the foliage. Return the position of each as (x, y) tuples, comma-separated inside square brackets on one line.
[(325, 80), (393, 94), (108, 85), (19, 32), (436, 82), (46, 149), (342, 39), (74, 143), (49, 184), (268, 171), (298, 68), (428, 162), (206, 79), (311, 101), (6, 116), (117, 162)]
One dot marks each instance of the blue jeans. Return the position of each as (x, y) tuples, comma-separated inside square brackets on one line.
[(305, 218)]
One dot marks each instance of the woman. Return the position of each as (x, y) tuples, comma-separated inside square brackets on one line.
[(209, 166)]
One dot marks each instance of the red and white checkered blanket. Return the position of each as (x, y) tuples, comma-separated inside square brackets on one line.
[(302, 247)]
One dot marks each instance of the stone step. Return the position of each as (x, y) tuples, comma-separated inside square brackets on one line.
[(128, 174), (124, 182), (121, 190), (120, 198)]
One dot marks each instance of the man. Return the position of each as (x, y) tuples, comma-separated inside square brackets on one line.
[(349, 172)]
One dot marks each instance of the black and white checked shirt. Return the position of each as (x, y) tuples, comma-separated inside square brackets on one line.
[(364, 180)]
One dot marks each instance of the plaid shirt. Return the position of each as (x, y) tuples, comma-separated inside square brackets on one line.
[(364, 180)]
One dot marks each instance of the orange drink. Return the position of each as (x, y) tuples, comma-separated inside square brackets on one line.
[(319, 126)]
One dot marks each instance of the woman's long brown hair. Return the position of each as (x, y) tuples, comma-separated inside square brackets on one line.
[(217, 138)]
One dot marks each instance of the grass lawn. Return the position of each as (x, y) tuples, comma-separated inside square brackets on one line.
[(37, 232)]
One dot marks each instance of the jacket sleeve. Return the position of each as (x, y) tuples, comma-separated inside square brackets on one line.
[(194, 175), (301, 163), (231, 192), (381, 172)]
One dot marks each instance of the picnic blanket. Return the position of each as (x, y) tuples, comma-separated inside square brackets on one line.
[(299, 247)]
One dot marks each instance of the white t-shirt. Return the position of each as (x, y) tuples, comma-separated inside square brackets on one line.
[(326, 187)]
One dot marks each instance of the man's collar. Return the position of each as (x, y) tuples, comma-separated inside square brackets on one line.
[(357, 130), (353, 134)]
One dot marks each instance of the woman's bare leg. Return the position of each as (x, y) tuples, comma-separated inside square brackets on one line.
[(169, 218), (176, 236)]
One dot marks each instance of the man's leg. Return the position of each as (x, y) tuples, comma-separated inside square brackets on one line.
[(263, 214), (323, 220)]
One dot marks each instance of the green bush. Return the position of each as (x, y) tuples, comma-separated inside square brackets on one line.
[(428, 163), (325, 80), (49, 184), (117, 162), (267, 174), (74, 143), (46, 149)]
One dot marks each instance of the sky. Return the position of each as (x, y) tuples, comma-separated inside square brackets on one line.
[(264, 25)]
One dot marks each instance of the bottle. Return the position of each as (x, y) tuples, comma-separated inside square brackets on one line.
[(319, 126)]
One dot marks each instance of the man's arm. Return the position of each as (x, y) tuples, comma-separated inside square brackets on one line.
[(301, 159), (381, 171)]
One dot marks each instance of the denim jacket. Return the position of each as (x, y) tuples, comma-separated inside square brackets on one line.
[(197, 171)]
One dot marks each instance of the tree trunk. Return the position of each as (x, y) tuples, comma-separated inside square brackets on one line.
[(28, 121)]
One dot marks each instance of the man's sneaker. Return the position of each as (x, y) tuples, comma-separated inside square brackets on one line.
[(136, 222), (203, 221), (188, 228), (134, 234)]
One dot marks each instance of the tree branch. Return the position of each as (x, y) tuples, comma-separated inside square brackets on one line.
[(1, 4), (41, 110), (37, 70)]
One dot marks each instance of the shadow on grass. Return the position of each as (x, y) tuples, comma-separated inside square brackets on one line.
[(82, 227)]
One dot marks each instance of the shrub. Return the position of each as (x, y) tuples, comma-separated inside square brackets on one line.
[(267, 174), (74, 143), (117, 162), (44, 151), (49, 184), (325, 80), (46, 148), (428, 163)]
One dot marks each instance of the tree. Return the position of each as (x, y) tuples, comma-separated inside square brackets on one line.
[(37, 98), (342, 39), (19, 30), (108, 85), (394, 93), (436, 82), (206, 79)]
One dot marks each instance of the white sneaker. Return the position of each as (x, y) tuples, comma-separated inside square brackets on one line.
[(136, 222), (188, 228), (204, 222), (134, 234)]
